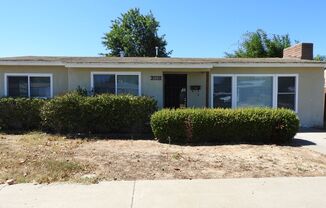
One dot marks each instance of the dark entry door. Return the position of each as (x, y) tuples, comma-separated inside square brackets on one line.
[(175, 90)]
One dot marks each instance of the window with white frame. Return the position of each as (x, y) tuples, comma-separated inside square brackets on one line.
[(128, 84), (252, 90), (116, 83), (28, 85), (104, 83), (286, 92), (222, 93), (255, 91)]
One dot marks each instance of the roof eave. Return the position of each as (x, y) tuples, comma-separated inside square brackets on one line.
[(31, 63), (140, 65), (317, 65), (158, 65)]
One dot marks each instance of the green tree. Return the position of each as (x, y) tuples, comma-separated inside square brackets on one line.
[(136, 35), (259, 45), (320, 58)]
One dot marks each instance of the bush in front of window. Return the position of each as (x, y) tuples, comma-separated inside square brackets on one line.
[(74, 113), (81, 91), (246, 125), (20, 114), (64, 114)]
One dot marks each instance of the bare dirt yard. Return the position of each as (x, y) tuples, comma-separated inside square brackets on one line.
[(43, 158)]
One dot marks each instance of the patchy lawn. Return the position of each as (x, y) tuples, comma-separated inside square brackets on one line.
[(43, 158)]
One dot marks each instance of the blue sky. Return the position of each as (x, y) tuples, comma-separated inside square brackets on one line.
[(202, 28)]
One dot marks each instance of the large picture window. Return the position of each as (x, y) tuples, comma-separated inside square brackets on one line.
[(28, 85), (116, 83), (255, 91), (251, 90)]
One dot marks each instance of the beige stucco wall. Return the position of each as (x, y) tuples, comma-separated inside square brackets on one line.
[(310, 90), (59, 76), (153, 88), (196, 98)]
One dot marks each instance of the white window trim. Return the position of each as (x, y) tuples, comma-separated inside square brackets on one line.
[(115, 76), (275, 86), (28, 75)]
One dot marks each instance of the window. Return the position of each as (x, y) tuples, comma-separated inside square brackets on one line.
[(222, 95), (127, 84), (256, 91), (40, 87), (231, 91), (104, 84), (17, 86), (116, 83), (286, 92), (28, 85)]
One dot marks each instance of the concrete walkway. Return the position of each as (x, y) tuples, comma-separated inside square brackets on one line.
[(263, 192), (314, 140)]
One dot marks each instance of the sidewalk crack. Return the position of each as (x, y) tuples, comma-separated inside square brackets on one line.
[(133, 194), (2, 187)]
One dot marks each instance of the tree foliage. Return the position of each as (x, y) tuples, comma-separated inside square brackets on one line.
[(320, 58), (259, 45), (136, 35)]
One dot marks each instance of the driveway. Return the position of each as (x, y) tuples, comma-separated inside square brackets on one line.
[(312, 139), (255, 192)]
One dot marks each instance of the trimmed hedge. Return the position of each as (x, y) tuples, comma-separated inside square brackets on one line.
[(250, 125), (74, 113), (20, 114)]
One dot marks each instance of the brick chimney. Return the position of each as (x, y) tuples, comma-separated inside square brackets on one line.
[(299, 51)]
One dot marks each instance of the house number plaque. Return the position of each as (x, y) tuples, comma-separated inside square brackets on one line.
[(156, 77)]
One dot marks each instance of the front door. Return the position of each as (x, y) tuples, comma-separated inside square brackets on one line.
[(175, 90)]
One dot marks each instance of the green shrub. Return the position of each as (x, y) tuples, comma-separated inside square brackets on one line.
[(73, 113), (20, 114), (253, 125), (81, 91), (64, 113)]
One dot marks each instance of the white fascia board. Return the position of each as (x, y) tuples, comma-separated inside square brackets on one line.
[(140, 65), (269, 65), (31, 63)]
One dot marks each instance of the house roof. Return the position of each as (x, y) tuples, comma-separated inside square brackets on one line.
[(208, 62), (72, 59)]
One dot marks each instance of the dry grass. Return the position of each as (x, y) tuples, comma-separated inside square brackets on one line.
[(47, 158), (40, 158)]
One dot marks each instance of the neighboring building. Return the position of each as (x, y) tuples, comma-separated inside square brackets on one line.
[(291, 82)]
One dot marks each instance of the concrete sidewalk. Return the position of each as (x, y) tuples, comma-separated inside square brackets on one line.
[(263, 192)]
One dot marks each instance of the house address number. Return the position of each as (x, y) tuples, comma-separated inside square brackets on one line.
[(156, 77)]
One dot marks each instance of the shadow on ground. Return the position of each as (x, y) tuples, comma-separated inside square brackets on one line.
[(122, 136), (301, 142)]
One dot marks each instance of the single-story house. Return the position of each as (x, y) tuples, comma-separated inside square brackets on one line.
[(295, 81)]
